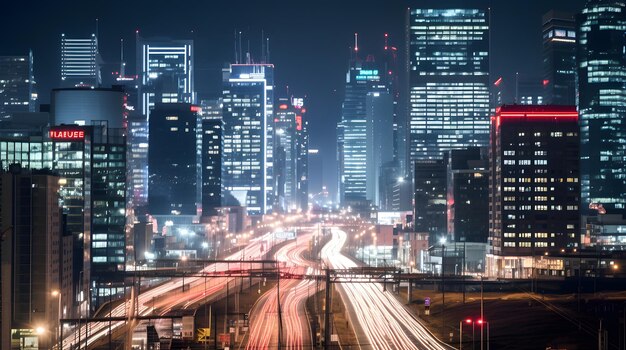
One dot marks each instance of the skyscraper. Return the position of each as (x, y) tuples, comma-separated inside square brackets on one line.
[(173, 159), (535, 187), (291, 146), (247, 158), (367, 105), (80, 64), (166, 72), (601, 92), (430, 197), (559, 58), (212, 144), (448, 80), (17, 85), (31, 224)]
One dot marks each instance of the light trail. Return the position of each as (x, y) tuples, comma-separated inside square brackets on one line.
[(293, 295), (97, 331), (383, 319)]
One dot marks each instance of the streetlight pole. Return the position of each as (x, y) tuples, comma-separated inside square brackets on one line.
[(443, 286)]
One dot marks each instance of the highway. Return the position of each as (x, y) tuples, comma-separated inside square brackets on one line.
[(382, 319), (169, 293), (264, 323)]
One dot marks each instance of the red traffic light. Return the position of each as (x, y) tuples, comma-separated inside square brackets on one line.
[(468, 321), (480, 321)]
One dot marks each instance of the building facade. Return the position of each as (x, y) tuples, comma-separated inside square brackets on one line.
[(430, 198), (173, 159), (212, 145), (535, 185), (601, 78), (247, 158), (17, 85), (559, 58), (448, 80), (80, 62), (30, 220)]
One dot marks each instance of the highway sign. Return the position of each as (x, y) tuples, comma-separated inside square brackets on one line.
[(203, 334)]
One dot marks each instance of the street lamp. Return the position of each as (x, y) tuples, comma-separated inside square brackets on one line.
[(468, 322), (57, 294), (443, 240), (482, 322)]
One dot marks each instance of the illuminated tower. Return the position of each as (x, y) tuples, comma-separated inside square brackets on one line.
[(80, 64)]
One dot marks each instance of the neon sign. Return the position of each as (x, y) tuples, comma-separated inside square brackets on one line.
[(67, 134)]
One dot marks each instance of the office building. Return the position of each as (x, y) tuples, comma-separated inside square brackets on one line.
[(468, 195), (601, 79), (291, 145), (91, 162), (529, 91), (302, 154), (166, 72), (138, 160), (247, 158), (212, 144), (365, 132), (17, 85), (430, 198), (173, 159), (80, 62), (535, 186), (559, 58), (30, 224), (448, 80), (89, 106)]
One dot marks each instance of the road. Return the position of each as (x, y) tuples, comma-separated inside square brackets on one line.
[(382, 319), (169, 293), (264, 320)]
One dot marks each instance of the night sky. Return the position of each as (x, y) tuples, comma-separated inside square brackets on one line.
[(309, 42)]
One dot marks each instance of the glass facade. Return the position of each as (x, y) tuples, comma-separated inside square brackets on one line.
[(17, 82), (212, 145), (166, 72), (448, 80), (247, 159), (79, 62), (361, 79), (602, 104), (559, 59)]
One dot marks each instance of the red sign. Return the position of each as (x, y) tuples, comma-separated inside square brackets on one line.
[(67, 134), (298, 122)]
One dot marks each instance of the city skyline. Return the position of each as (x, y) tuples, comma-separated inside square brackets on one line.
[(301, 53)]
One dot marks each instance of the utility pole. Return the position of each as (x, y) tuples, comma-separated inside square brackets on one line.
[(327, 312)]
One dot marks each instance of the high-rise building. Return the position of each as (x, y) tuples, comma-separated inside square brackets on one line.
[(601, 79), (448, 80), (367, 104), (88, 106), (535, 187), (430, 198), (291, 145), (559, 58), (468, 195), (247, 157), (80, 64), (17, 85), (212, 144), (166, 72), (30, 223), (138, 159), (173, 159), (91, 163)]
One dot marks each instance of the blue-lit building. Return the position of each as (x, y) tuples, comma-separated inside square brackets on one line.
[(601, 103), (211, 145), (80, 62), (247, 157), (448, 80), (17, 85), (367, 104)]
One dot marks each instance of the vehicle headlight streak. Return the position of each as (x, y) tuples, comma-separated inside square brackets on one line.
[(384, 320)]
